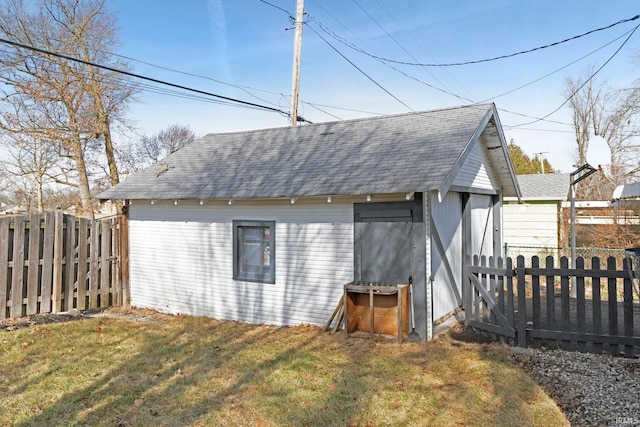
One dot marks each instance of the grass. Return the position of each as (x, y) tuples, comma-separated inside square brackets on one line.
[(177, 371)]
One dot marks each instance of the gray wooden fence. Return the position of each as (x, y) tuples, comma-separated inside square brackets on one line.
[(55, 262), (533, 306)]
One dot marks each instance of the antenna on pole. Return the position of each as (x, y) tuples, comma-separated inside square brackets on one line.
[(297, 52)]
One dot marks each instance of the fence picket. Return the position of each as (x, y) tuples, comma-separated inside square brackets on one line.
[(105, 262), (81, 286), (522, 303), (58, 259), (485, 285), (17, 269), (564, 303), (510, 297), (628, 307), (535, 300), (612, 299), (4, 265), (501, 285), (46, 277), (597, 305), (69, 262), (581, 317), (580, 326), (551, 294), (476, 296), (94, 251), (32, 264)]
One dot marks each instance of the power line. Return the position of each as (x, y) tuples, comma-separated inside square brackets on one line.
[(148, 87), (584, 83), (422, 82), (359, 69), (279, 8), (353, 46), (559, 69), (423, 49), (401, 46), (344, 109), (321, 110), (141, 77), (479, 61)]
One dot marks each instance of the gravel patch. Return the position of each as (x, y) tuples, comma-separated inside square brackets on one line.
[(592, 390)]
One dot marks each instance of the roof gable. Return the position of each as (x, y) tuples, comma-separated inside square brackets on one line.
[(388, 154)]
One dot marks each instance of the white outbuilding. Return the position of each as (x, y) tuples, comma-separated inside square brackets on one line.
[(267, 226)]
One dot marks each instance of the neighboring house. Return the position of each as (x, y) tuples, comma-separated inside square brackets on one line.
[(629, 191), (535, 221), (267, 226), (6, 209), (625, 202)]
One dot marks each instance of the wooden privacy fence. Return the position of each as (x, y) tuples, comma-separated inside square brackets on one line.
[(55, 262), (536, 306)]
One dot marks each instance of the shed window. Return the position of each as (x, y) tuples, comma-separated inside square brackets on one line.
[(254, 251)]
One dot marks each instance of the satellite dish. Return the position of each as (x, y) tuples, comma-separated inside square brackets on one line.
[(598, 152)]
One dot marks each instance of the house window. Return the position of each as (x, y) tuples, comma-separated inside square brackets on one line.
[(254, 251)]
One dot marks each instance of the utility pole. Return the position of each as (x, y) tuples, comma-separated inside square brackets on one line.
[(540, 157), (297, 52)]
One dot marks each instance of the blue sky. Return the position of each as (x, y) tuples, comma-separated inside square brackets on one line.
[(244, 49)]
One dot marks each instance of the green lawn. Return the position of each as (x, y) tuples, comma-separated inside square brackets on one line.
[(178, 370)]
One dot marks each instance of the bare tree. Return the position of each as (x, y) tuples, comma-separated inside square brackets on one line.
[(611, 114), (159, 145), (92, 31), (50, 98), (27, 168)]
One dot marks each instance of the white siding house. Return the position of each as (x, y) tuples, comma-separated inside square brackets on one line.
[(267, 226), (536, 220)]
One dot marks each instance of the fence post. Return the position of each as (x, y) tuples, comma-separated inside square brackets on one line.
[(522, 303), (123, 257), (466, 289), (56, 288), (4, 264)]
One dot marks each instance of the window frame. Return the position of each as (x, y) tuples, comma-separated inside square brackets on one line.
[(268, 276)]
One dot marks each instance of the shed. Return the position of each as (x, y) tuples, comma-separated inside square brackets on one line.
[(267, 226), (535, 221)]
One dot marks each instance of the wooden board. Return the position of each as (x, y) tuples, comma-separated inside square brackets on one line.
[(383, 311)]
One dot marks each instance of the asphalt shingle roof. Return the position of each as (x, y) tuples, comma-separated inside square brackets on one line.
[(550, 186), (387, 154)]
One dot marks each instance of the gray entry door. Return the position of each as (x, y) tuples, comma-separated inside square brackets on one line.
[(384, 241)]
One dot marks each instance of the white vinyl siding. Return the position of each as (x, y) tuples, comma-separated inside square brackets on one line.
[(181, 261), (477, 172), (530, 224)]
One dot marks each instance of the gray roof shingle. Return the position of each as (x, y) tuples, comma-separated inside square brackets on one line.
[(550, 186), (388, 154)]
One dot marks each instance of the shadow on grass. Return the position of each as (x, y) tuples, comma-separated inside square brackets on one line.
[(191, 371)]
